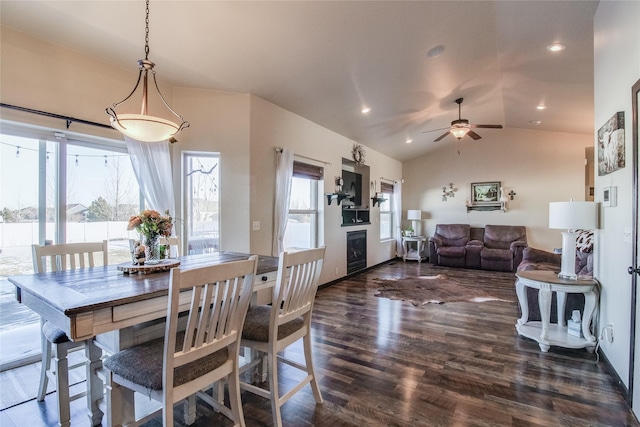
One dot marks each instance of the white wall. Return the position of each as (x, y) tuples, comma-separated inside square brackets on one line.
[(616, 69), (539, 167), (271, 127)]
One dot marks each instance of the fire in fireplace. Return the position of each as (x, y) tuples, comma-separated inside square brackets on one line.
[(356, 251)]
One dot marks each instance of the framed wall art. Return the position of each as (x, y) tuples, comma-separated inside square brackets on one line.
[(485, 193), (611, 145)]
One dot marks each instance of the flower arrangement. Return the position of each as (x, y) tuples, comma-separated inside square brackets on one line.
[(151, 224)]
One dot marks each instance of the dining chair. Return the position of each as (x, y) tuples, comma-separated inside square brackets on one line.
[(186, 361), (56, 345), (173, 242), (271, 328)]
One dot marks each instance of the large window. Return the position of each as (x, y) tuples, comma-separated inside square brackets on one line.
[(56, 189), (200, 177), (386, 211), (302, 224)]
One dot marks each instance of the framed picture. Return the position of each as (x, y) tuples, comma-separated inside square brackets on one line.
[(609, 196), (611, 145), (485, 193)]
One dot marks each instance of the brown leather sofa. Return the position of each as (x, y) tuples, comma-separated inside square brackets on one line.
[(538, 259), (493, 247)]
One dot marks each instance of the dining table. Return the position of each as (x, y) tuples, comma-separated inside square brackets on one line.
[(114, 308)]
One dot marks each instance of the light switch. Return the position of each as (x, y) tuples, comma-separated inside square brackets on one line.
[(256, 225), (627, 234)]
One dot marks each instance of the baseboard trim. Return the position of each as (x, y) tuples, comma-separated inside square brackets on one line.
[(333, 282), (615, 377)]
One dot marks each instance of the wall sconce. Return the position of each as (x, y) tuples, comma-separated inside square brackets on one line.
[(448, 192)]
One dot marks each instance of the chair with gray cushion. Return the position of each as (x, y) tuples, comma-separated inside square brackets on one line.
[(56, 345), (184, 362), (447, 246), (270, 330)]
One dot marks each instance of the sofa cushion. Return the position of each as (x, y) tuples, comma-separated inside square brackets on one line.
[(451, 251), (501, 236), (497, 254), (452, 234), (584, 241)]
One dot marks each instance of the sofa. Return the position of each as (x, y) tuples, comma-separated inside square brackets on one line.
[(493, 247), (538, 259)]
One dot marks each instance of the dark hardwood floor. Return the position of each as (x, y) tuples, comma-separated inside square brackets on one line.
[(387, 363)]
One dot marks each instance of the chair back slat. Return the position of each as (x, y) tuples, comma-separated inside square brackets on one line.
[(296, 283), (68, 256), (220, 296)]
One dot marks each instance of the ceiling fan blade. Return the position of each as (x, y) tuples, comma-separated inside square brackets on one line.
[(433, 130), (487, 126), (441, 136), (473, 135)]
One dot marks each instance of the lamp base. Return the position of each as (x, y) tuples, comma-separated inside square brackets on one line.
[(568, 266)]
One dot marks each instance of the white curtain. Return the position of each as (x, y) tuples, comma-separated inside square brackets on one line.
[(151, 163), (284, 173), (397, 217)]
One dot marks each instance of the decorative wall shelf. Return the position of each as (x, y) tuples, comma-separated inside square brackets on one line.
[(377, 200), (337, 196), (495, 207)]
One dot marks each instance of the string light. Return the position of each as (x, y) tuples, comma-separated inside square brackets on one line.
[(77, 163), (105, 161), (17, 151), (77, 156)]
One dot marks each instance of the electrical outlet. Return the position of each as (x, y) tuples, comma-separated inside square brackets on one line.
[(608, 332), (256, 225)]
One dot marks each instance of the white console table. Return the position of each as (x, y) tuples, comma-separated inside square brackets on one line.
[(546, 333), (411, 253)]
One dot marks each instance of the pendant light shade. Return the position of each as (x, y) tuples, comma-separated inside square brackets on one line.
[(459, 131), (144, 127)]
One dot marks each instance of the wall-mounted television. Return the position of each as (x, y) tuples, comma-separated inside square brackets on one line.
[(352, 184)]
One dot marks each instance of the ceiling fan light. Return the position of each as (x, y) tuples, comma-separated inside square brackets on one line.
[(459, 132), (144, 127)]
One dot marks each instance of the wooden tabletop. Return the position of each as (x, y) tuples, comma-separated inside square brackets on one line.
[(75, 291)]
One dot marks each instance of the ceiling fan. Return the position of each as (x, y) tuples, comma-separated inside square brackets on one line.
[(462, 127)]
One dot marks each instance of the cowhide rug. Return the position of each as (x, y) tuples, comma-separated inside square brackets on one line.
[(422, 290)]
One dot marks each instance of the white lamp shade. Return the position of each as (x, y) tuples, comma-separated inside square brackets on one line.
[(414, 214), (145, 128), (573, 215)]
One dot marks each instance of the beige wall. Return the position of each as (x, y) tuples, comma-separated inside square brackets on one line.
[(617, 68), (539, 166), (244, 129)]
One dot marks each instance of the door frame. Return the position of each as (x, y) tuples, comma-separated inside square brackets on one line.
[(633, 270)]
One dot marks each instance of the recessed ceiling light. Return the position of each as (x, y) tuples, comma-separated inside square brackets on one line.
[(535, 122), (556, 47), (365, 110), (409, 141), (541, 107), (435, 51)]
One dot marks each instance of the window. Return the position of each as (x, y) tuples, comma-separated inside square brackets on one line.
[(302, 224), (55, 189), (202, 201), (386, 212)]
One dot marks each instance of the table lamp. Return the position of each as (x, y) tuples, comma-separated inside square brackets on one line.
[(414, 215), (571, 216)]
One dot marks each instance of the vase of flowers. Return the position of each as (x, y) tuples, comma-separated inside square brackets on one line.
[(151, 225)]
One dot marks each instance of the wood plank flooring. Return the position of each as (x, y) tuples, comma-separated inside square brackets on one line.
[(387, 363)]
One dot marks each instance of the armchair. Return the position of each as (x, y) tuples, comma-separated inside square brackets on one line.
[(503, 247), (447, 246)]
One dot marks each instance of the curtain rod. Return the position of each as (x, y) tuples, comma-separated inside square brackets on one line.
[(68, 119), (279, 150), (387, 179)]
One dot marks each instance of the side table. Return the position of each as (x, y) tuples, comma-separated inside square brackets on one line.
[(409, 252), (546, 333)]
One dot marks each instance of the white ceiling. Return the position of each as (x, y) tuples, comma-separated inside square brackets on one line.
[(325, 60)]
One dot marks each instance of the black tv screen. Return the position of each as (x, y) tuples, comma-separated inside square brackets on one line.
[(352, 184)]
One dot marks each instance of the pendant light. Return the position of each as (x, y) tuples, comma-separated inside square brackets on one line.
[(144, 127)]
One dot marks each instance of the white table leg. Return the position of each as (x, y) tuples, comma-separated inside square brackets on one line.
[(523, 299), (561, 300), (95, 387), (544, 301), (589, 307)]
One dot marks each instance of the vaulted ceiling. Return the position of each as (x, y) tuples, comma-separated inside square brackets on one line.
[(326, 60)]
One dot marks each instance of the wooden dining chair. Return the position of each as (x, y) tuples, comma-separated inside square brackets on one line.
[(174, 368), (270, 330), (56, 345)]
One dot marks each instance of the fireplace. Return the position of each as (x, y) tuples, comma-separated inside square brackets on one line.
[(356, 251)]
